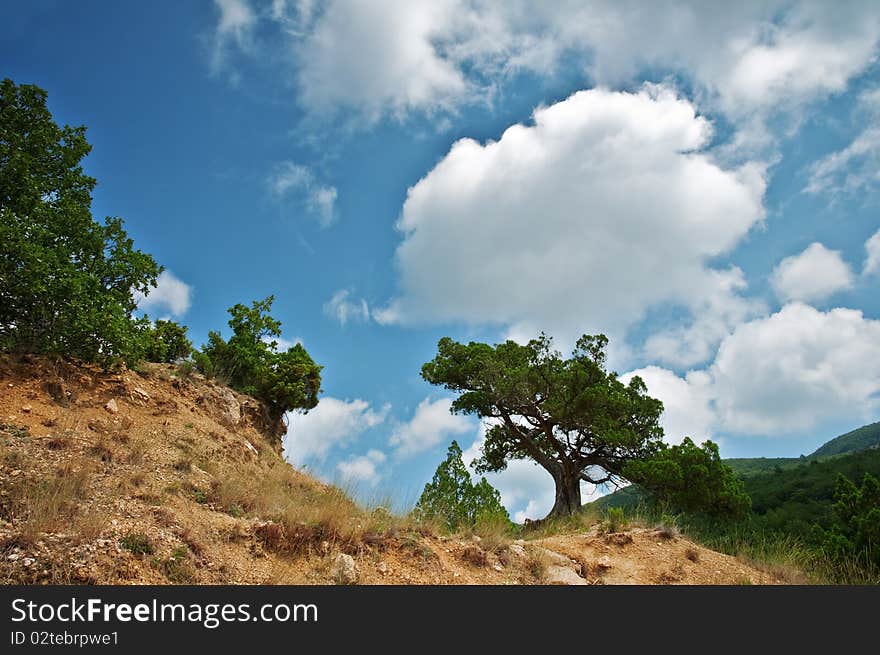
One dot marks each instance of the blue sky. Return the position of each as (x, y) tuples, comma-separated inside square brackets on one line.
[(698, 181)]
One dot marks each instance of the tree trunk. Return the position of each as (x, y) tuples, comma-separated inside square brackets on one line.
[(568, 494)]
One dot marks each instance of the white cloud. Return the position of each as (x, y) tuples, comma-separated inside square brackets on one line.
[(687, 402), (340, 308), (580, 223), (714, 316), (391, 58), (872, 261), (171, 296), (362, 468), (814, 274), (332, 424), (431, 424), (235, 27), (793, 370), (778, 375), (854, 167), (289, 178)]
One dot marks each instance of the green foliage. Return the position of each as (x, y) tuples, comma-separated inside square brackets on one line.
[(453, 500), (615, 520), (166, 341), (855, 534), (691, 478), (137, 543), (571, 416), (67, 282), (250, 363)]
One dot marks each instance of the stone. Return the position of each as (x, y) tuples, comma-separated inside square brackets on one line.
[(344, 569), (13, 557), (498, 567), (604, 562), (27, 409), (382, 568), (562, 575), (140, 394), (554, 558), (111, 406)]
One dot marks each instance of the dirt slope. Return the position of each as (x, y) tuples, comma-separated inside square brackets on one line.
[(159, 477)]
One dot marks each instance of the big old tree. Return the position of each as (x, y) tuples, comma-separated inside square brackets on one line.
[(570, 415)]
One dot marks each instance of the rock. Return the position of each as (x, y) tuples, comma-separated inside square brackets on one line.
[(344, 569), (604, 562), (554, 558), (111, 406), (140, 394), (498, 567), (15, 473), (382, 568), (26, 409), (517, 551), (13, 557), (230, 408), (562, 575), (28, 561)]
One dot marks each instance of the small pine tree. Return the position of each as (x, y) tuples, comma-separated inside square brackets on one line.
[(452, 499)]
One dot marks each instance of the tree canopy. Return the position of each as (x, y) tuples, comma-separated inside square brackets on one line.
[(454, 501), (570, 415), (67, 282)]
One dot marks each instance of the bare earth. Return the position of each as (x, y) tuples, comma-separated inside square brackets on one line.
[(79, 474)]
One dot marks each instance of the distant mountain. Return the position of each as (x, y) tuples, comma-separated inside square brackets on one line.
[(862, 439), (865, 437)]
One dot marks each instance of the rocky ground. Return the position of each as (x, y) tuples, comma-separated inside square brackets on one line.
[(160, 476)]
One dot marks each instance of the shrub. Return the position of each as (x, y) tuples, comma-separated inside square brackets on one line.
[(137, 543), (166, 342), (691, 478), (250, 362)]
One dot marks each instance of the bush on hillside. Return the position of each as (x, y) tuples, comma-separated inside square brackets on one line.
[(691, 478), (250, 362), (166, 341)]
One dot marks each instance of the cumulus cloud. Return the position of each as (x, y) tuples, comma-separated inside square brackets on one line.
[(431, 424), (687, 402), (171, 296), (812, 275), (362, 468), (793, 370), (292, 179), (781, 374), (390, 58), (872, 249), (578, 223), (343, 309), (334, 423)]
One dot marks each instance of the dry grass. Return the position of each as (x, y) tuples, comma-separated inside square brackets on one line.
[(300, 513), (47, 503)]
